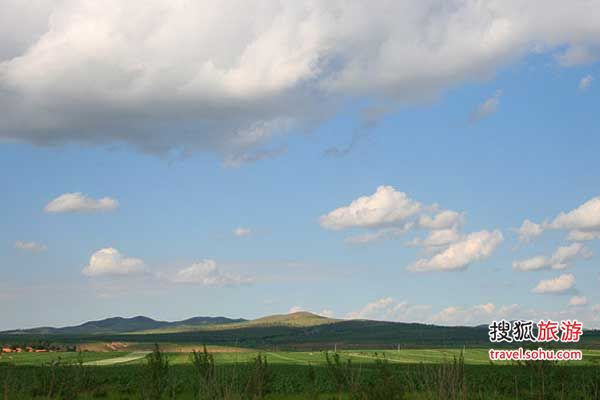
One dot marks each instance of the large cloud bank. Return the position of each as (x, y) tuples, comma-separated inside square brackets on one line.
[(228, 76)]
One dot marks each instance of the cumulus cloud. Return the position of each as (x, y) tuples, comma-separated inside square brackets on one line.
[(473, 247), (562, 284), (207, 273), (529, 230), (242, 232), (577, 301), (327, 313), (583, 223), (389, 213), (585, 82), (560, 259), (109, 262), (31, 246), (104, 73), (488, 107), (586, 217), (80, 203), (386, 206)]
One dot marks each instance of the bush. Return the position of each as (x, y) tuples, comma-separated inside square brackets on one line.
[(155, 380)]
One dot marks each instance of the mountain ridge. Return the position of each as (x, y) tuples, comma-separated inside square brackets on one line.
[(120, 324)]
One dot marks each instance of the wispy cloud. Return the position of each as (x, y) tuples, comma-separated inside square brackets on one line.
[(207, 273), (560, 285), (31, 246), (488, 107), (586, 82), (79, 203)]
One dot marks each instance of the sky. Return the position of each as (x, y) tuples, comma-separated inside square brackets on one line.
[(416, 161)]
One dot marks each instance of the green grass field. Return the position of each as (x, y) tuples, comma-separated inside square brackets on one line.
[(45, 358), (232, 356), (286, 375)]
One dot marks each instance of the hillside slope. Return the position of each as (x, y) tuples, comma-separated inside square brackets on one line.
[(300, 319)]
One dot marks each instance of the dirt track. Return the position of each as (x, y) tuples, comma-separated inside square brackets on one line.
[(119, 360)]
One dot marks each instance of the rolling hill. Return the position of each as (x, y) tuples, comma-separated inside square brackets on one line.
[(124, 325), (298, 319), (297, 331)]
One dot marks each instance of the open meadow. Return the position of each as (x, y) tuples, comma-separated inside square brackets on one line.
[(239, 373)]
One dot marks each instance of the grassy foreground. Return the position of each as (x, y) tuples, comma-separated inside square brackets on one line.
[(404, 374), (221, 355)]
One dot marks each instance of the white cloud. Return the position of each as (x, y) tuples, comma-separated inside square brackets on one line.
[(560, 259), (473, 247), (78, 202), (596, 308), (31, 246), (577, 301), (437, 238), (385, 207), (475, 315), (388, 309), (104, 73), (488, 107), (585, 82), (380, 234), (583, 223), (327, 313), (559, 285), (586, 217), (583, 236), (389, 213), (529, 230), (446, 219), (531, 264), (242, 232), (578, 55), (481, 313), (109, 262), (564, 254), (207, 273)]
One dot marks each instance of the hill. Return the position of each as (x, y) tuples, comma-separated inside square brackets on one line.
[(297, 331), (300, 319), (301, 330), (124, 325)]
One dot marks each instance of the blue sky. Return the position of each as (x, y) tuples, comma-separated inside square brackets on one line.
[(166, 246)]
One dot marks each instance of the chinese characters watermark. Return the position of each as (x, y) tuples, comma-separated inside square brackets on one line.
[(566, 331), (543, 331)]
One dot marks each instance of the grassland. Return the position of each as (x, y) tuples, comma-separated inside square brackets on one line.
[(224, 356), (284, 357), (353, 374)]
